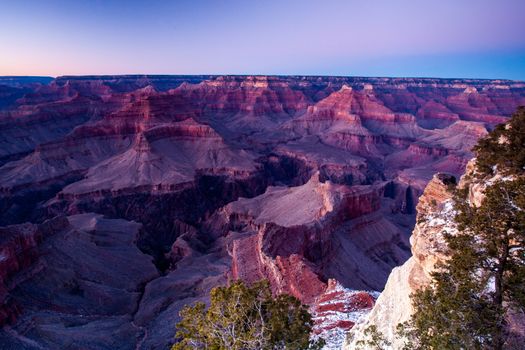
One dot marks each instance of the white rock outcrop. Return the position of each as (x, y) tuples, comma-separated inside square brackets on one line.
[(435, 216)]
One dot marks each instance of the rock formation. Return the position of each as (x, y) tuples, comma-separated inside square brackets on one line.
[(84, 287), (337, 310), (435, 218)]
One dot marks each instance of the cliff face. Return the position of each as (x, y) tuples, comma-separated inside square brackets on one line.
[(19, 249), (73, 281), (435, 216), (294, 249)]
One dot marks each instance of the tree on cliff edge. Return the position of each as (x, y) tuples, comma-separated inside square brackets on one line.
[(503, 150), (467, 304), (242, 317)]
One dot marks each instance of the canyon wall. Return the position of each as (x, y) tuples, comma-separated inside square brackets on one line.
[(435, 215)]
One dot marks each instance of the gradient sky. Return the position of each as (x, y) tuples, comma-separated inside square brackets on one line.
[(429, 38)]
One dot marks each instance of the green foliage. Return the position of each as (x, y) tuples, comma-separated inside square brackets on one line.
[(407, 332), (465, 305), (374, 339), (503, 147), (246, 317)]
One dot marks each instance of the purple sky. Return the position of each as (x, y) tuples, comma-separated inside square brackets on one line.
[(439, 38)]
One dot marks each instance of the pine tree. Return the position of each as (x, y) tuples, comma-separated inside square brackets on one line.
[(504, 148), (373, 339), (471, 292), (242, 317)]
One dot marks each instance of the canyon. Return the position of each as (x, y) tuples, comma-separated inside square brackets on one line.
[(124, 198)]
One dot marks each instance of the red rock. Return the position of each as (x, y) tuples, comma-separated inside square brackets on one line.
[(337, 310), (18, 250)]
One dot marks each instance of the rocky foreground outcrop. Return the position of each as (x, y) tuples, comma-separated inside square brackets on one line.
[(167, 186), (337, 310), (435, 218)]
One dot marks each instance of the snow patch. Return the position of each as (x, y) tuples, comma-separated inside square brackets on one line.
[(342, 309)]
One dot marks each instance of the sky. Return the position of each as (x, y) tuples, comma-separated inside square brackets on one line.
[(417, 38)]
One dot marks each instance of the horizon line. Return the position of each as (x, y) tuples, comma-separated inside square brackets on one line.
[(252, 75)]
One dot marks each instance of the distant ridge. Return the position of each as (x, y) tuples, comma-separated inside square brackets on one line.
[(22, 80), (275, 76)]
